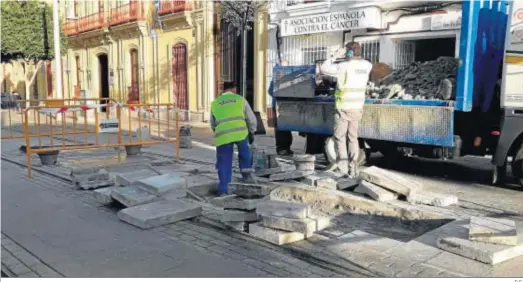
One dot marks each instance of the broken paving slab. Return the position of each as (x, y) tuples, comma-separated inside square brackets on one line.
[(103, 195), (283, 209), (348, 183), (432, 199), (390, 181), (161, 184), (159, 213), (493, 230), (124, 179), (310, 180), (301, 225), (278, 237), (269, 171), (484, 252), (83, 170), (131, 196), (237, 216), (375, 192), (250, 190), (235, 202), (290, 175), (90, 185), (174, 194), (327, 183)]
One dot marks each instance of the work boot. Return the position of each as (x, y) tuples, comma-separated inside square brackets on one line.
[(249, 178)]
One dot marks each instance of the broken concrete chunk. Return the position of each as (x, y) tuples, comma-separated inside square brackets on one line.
[(83, 170), (321, 222), (390, 180), (131, 196), (279, 169), (103, 196), (161, 184), (304, 162), (493, 230), (277, 237), (310, 180), (327, 183), (236, 225), (283, 209), (432, 199), (301, 225), (250, 190), (290, 175), (237, 215), (487, 253), (375, 192), (348, 183), (124, 179), (235, 202), (94, 184), (175, 194), (159, 213)]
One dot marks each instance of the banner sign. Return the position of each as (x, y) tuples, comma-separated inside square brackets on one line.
[(450, 20), (369, 17), (108, 126)]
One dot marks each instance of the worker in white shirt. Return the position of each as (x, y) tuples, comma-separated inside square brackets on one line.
[(352, 76)]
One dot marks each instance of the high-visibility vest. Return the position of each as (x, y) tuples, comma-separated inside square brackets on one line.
[(353, 76), (229, 116)]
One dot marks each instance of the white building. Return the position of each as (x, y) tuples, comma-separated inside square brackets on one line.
[(393, 32)]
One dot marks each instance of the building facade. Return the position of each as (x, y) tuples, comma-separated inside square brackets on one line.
[(397, 33)]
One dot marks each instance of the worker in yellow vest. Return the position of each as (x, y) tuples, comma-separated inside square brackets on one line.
[(233, 123)]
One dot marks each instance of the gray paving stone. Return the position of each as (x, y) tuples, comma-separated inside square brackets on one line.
[(29, 275), (458, 264), (161, 184), (290, 175), (159, 213), (348, 184), (269, 171), (310, 180), (493, 230), (390, 180), (174, 194), (277, 237), (250, 190), (480, 251), (238, 216), (327, 183), (283, 209), (94, 184), (375, 192), (45, 271), (83, 170), (235, 202), (414, 251), (26, 258), (19, 269), (103, 195), (236, 225), (302, 225), (432, 199), (125, 179), (131, 196)]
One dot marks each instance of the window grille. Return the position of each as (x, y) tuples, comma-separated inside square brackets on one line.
[(228, 46), (370, 50), (404, 54)]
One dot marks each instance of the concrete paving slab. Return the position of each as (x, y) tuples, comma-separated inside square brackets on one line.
[(283, 209), (161, 184), (131, 196), (250, 190), (236, 225), (390, 180), (414, 251), (235, 202), (310, 180), (289, 175), (174, 194), (327, 183), (300, 225), (375, 192), (484, 252), (159, 213), (103, 196), (277, 237), (269, 171), (125, 179), (238, 216), (493, 230), (433, 199), (348, 184)]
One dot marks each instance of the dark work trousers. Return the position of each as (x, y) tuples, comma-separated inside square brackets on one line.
[(283, 138), (224, 157)]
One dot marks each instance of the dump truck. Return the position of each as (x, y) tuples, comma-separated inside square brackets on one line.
[(483, 117)]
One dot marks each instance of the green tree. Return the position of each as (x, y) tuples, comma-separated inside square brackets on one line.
[(27, 36)]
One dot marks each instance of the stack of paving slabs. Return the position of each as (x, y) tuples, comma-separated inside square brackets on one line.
[(384, 186), (330, 181), (238, 211), (285, 222), (89, 178), (486, 239), (152, 200)]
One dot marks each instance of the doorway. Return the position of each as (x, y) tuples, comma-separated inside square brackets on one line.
[(104, 79), (179, 74)]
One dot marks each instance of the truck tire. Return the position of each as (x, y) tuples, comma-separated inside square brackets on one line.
[(517, 166)]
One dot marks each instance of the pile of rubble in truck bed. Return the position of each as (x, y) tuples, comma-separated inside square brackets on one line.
[(420, 81)]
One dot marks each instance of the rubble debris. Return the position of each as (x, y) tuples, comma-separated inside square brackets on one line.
[(290, 175), (301, 225), (421, 80), (390, 181), (161, 184), (159, 213), (283, 209), (432, 199), (273, 170), (103, 195), (131, 196), (493, 230), (277, 237), (304, 162), (375, 192)]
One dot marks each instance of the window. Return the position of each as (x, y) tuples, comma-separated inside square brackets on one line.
[(311, 55), (404, 54), (228, 48), (78, 81), (370, 50), (134, 67)]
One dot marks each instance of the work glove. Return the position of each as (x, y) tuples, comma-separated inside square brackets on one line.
[(251, 138)]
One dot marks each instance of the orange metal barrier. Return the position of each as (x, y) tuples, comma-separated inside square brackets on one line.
[(118, 129), (13, 119)]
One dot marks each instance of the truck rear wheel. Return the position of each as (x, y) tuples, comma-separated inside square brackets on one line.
[(517, 166)]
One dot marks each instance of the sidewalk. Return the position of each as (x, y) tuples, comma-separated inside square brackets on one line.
[(46, 225)]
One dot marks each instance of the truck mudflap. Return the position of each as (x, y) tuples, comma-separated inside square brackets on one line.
[(415, 124)]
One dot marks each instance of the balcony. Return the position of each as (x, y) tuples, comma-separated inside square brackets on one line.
[(91, 22), (172, 6), (127, 13), (71, 27)]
